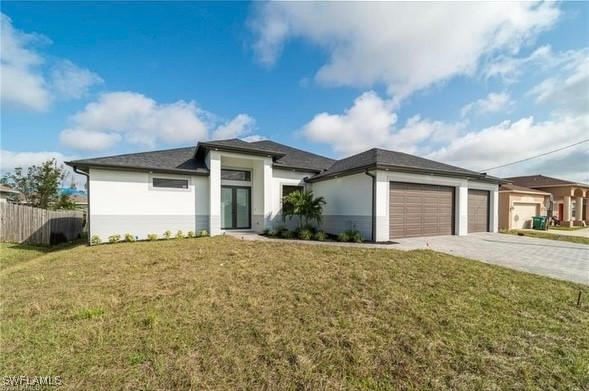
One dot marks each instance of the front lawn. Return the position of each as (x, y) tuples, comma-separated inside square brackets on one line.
[(547, 235), (220, 313)]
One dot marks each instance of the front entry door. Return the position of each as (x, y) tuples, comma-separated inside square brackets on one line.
[(235, 207)]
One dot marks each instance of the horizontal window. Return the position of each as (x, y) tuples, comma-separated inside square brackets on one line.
[(236, 175), (287, 189), (170, 183)]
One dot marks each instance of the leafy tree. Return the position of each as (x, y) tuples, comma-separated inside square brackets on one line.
[(304, 205), (39, 186)]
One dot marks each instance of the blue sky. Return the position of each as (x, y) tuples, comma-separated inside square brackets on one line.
[(472, 84)]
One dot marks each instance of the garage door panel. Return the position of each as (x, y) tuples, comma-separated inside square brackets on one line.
[(522, 214), (478, 210), (420, 210)]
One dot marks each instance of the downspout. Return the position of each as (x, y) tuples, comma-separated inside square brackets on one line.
[(373, 204), (88, 199)]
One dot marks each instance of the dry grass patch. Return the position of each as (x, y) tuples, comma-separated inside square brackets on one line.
[(219, 313)]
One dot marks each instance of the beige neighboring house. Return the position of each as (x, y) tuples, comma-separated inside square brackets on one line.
[(570, 198), (6, 192), (518, 204)]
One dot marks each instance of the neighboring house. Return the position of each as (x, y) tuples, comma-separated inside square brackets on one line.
[(517, 206), (233, 184), (570, 198), (7, 193)]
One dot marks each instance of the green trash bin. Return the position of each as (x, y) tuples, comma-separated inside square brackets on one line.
[(538, 222)]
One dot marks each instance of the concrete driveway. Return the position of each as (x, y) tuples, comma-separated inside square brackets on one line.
[(552, 258)]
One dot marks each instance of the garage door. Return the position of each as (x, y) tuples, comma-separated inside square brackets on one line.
[(420, 210), (522, 215), (478, 211)]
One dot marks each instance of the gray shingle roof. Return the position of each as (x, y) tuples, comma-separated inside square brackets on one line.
[(179, 160), (521, 189), (296, 158), (383, 158), (236, 145)]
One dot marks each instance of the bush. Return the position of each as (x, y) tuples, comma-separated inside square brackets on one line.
[(350, 235), (114, 238), (266, 232), (167, 234), (190, 234), (202, 233), (305, 234), (152, 237), (129, 238), (343, 237), (285, 234), (179, 235), (320, 236), (95, 240)]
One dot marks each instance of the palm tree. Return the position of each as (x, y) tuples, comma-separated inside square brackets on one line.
[(303, 205)]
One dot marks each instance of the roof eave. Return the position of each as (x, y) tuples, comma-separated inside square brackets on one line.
[(86, 166), (224, 148)]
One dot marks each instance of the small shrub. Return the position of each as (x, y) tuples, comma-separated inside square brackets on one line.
[(305, 234), (355, 237), (320, 236), (151, 237), (203, 233), (266, 232), (286, 234), (95, 240), (343, 237), (129, 238), (167, 234), (114, 238), (179, 235), (190, 234)]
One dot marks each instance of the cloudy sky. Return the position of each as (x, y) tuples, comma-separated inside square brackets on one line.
[(477, 85)]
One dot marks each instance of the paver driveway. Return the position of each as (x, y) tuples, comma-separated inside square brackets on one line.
[(562, 260)]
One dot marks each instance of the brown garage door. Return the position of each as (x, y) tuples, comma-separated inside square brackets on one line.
[(478, 211), (420, 210)]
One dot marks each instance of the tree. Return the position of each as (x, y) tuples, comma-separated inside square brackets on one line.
[(40, 185), (304, 205)]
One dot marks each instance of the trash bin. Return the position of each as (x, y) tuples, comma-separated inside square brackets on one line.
[(538, 222)]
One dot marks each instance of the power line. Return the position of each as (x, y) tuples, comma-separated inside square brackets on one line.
[(535, 157)]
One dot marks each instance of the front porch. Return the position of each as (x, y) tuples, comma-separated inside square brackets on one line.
[(570, 205)]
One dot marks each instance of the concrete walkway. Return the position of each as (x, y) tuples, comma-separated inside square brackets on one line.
[(552, 258)]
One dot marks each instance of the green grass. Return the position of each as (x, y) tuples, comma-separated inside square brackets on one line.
[(551, 236), (223, 314), (563, 228), (16, 254)]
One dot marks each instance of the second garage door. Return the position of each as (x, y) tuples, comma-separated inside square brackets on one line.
[(522, 215), (420, 210), (478, 210)]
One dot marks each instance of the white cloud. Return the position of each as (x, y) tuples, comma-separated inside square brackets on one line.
[(492, 103), (370, 122), (71, 81), (569, 88), (25, 80), (405, 46), (511, 141), (134, 118), (239, 126)]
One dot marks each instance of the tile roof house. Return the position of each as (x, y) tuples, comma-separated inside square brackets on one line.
[(518, 204), (569, 198), (233, 184)]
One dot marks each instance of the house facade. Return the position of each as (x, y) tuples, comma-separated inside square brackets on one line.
[(569, 198), (517, 206), (232, 184)]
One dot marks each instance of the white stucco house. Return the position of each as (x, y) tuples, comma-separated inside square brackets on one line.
[(233, 184)]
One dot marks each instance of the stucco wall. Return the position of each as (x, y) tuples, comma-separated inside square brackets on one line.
[(281, 178), (507, 201), (125, 202), (349, 203)]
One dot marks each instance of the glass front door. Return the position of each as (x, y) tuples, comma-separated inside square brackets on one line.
[(235, 207)]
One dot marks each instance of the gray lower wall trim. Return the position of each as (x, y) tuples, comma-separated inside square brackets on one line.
[(141, 225), (202, 222), (334, 224)]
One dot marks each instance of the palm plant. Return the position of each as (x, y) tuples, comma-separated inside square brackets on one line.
[(304, 205)]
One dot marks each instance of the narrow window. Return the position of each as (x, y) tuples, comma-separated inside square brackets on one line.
[(170, 183), (236, 175)]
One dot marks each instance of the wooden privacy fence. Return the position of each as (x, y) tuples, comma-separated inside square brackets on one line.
[(24, 224)]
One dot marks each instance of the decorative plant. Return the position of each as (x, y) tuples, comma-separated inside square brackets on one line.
[(179, 235), (190, 234), (304, 205), (114, 238), (167, 234), (202, 233), (350, 235), (305, 234), (285, 234), (151, 237), (95, 239), (129, 238), (320, 236)]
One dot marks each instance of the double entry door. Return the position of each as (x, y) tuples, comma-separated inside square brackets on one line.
[(235, 207)]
